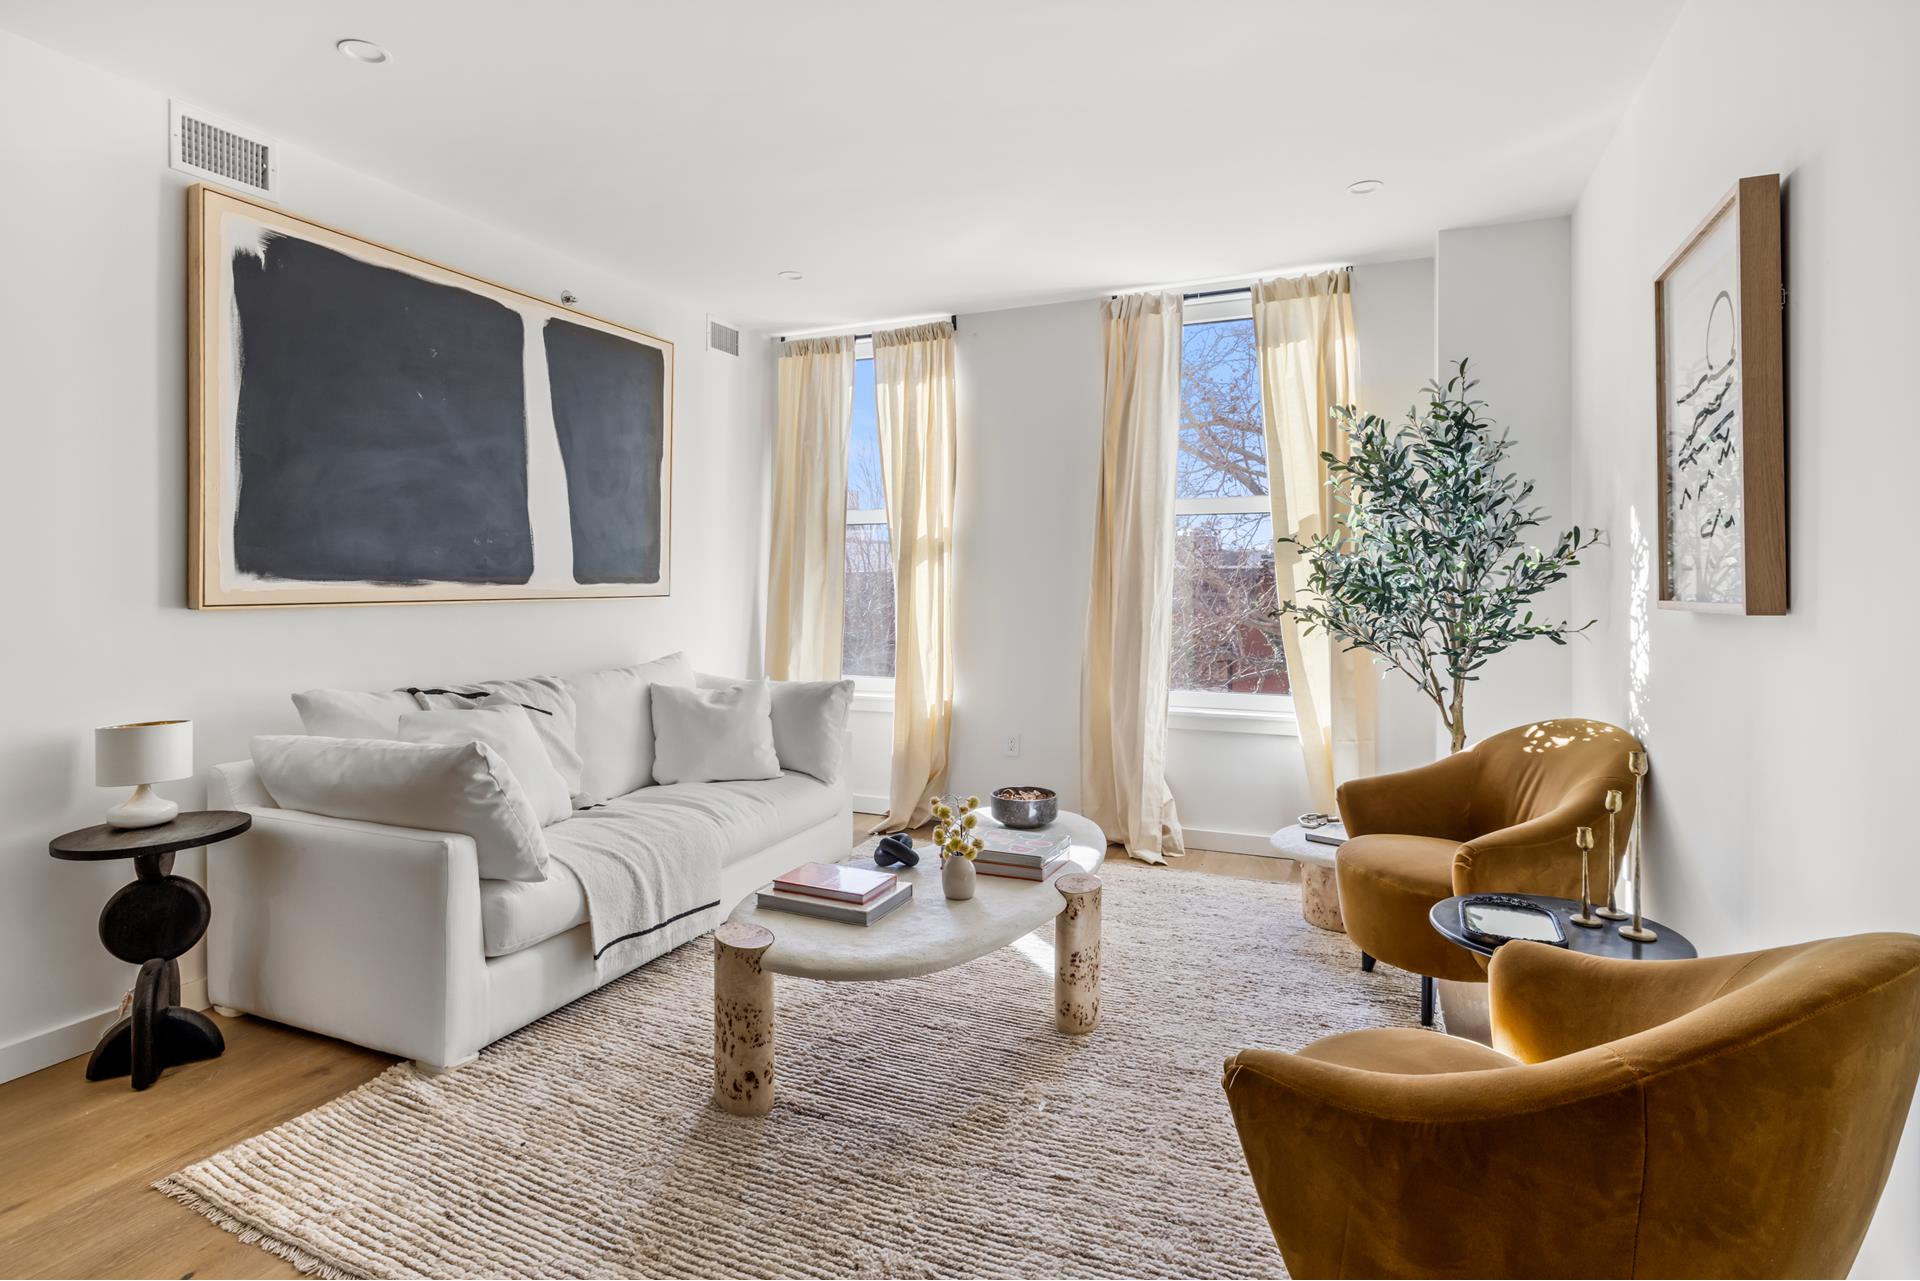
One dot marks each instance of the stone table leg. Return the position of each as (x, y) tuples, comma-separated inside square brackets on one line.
[(1076, 954), (742, 1020), (1320, 898)]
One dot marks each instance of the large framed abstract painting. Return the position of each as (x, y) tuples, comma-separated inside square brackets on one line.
[(1720, 362), (369, 427)]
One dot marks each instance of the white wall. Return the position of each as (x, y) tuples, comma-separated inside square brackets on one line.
[(1782, 748), (1030, 396), (1503, 297), (92, 314)]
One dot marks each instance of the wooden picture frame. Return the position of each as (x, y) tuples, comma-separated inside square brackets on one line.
[(409, 433), (1719, 313)]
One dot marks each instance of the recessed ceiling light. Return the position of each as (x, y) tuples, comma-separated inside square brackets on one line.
[(1365, 187), (363, 51), (790, 275)]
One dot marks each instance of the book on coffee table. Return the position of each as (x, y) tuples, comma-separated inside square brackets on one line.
[(986, 866), (839, 881), (826, 909), (1027, 849)]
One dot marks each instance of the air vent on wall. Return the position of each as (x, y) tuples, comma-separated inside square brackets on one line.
[(208, 147), (722, 337)]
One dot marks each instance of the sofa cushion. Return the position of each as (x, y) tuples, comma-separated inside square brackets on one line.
[(461, 787), (809, 723), (549, 705), (614, 729), (514, 915), (751, 815), (353, 713), (713, 735), (347, 713), (507, 728)]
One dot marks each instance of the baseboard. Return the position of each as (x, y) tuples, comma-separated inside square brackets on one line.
[(58, 1044), (55, 1045), (869, 804), (1259, 844)]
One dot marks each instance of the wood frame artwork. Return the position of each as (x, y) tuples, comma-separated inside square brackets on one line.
[(1719, 325), (367, 427)]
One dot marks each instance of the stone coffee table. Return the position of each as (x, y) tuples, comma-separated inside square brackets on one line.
[(927, 935)]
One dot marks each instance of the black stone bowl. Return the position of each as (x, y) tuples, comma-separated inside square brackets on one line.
[(1025, 814)]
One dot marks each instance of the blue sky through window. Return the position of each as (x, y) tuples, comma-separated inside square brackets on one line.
[(864, 491)]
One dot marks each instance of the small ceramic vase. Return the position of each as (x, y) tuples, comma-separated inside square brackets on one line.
[(957, 877)]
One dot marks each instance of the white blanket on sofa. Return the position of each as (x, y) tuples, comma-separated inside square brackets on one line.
[(651, 875)]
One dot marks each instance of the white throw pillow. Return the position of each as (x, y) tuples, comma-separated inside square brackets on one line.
[(506, 728), (437, 787), (548, 702), (352, 713), (713, 735), (615, 727), (348, 713), (809, 723)]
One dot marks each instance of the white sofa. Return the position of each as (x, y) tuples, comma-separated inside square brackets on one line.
[(388, 937)]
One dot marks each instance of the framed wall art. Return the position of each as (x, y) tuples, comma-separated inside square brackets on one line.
[(1720, 363), (369, 427)]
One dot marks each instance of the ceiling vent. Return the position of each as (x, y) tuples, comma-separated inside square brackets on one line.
[(722, 337), (219, 150)]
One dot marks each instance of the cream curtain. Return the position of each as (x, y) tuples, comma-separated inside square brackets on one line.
[(1308, 364), (807, 561), (914, 387), (1123, 697)]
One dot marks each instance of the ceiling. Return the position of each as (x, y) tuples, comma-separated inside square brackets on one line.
[(912, 157)]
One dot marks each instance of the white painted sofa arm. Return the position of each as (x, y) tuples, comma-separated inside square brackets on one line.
[(357, 930)]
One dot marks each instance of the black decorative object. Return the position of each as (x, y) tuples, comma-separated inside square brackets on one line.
[(1494, 919), (150, 923), (896, 850)]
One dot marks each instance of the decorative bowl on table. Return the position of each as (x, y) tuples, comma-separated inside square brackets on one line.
[(1024, 806)]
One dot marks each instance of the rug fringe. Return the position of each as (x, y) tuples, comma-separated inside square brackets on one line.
[(250, 1233)]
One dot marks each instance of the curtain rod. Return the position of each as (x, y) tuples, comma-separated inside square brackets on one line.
[(1228, 292), (953, 320)]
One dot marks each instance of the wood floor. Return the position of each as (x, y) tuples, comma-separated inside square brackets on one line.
[(76, 1157)]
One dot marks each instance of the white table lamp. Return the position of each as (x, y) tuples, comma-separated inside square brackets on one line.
[(139, 756)]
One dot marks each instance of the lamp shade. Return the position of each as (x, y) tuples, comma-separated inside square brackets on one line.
[(146, 752)]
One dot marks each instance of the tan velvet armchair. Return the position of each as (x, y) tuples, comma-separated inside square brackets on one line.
[(1497, 817), (1733, 1116)]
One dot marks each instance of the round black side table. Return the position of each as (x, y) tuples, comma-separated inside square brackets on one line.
[(150, 923), (1672, 945)]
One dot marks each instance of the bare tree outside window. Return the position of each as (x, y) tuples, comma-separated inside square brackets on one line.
[(1225, 636), (866, 636)]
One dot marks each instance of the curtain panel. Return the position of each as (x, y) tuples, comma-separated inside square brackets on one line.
[(807, 560), (1123, 742), (1309, 362), (915, 391)]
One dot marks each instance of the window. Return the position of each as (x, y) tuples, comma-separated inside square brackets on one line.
[(1226, 642), (866, 620)]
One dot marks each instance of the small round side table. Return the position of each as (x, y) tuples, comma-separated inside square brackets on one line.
[(1319, 891), (150, 923), (1672, 945)]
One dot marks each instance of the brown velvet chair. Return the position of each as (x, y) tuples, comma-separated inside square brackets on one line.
[(1497, 817), (1733, 1116)]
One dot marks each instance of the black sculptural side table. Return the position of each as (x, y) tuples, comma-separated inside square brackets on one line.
[(150, 923)]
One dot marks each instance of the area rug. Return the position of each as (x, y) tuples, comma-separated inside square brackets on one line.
[(925, 1127)]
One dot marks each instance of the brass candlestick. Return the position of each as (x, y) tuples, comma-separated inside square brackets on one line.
[(1583, 841), (1612, 911), (1637, 931)]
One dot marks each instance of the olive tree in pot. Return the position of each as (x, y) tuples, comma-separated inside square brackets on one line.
[(1427, 567)]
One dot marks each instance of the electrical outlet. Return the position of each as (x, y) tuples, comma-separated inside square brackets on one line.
[(1012, 746)]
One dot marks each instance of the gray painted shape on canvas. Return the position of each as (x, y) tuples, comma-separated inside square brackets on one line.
[(381, 433), (609, 412)]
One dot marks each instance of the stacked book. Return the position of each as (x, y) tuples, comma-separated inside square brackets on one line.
[(1026, 856), (836, 892)]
